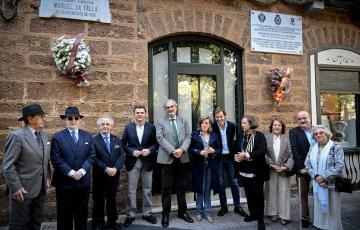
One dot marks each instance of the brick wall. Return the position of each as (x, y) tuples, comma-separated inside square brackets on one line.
[(119, 52)]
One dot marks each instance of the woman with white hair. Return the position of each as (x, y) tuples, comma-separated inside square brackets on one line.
[(325, 161)]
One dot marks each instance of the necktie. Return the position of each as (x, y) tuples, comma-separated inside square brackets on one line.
[(176, 136), (73, 135), (39, 141), (107, 142)]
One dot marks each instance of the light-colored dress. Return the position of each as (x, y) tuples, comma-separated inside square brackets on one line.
[(277, 189), (327, 162)]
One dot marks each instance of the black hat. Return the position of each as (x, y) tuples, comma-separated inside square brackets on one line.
[(71, 111), (30, 110)]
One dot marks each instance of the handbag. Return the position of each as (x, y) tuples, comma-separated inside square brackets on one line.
[(343, 184)]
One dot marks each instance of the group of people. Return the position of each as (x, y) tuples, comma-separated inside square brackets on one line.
[(253, 159)]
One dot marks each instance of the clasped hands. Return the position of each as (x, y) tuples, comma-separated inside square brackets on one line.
[(240, 156), (321, 181), (177, 152), (111, 171), (207, 151), (143, 153), (279, 169), (77, 175)]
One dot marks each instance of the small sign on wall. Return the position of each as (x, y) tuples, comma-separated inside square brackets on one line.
[(92, 10), (276, 33)]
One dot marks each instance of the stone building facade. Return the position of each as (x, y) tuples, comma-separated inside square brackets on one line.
[(120, 77)]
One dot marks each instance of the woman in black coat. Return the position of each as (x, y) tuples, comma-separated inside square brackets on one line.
[(203, 148), (252, 168)]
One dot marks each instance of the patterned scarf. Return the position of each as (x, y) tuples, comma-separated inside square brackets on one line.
[(250, 142)]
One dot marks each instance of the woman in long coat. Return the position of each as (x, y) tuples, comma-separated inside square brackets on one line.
[(325, 161), (279, 159), (203, 148)]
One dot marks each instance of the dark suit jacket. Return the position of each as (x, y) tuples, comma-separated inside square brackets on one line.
[(103, 159), (261, 169), (130, 142), (66, 155), (198, 161), (24, 164), (299, 146), (230, 134)]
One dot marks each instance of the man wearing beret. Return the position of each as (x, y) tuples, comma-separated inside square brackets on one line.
[(27, 169), (72, 156)]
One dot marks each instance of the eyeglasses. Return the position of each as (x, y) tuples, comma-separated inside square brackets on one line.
[(73, 118), (170, 106), (319, 133)]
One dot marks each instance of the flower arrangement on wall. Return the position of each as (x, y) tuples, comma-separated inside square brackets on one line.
[(279, 83), (72, 57)]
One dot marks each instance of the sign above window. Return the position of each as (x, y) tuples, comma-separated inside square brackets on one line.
[(276, 33), (92, 10)]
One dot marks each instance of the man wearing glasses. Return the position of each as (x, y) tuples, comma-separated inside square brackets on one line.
[(174, 136), (27, 169), (71, 155), (300, 141)]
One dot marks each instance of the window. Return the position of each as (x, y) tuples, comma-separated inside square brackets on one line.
[(199, 73), (337, 94)]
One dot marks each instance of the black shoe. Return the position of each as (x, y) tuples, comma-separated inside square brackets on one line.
[(261, 225), (223, 210), (240, 211), (305, 223), (114, 226), (165, 221), (97, 226), (249, 219), (186, 217), (128, 221), (150, 219)]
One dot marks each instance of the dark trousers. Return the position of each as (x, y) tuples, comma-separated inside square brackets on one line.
[(26, 215), (226, 164), (173, 176), (104, 190), (304, 192), (255, 197), (72, 207)]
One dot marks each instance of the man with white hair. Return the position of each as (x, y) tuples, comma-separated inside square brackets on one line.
[(108, 160)]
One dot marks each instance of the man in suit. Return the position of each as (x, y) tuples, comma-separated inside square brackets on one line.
[(300, 141), (27, 169), (226, 131), (72, 156), (173, 135), (139, 140), (108, 160)]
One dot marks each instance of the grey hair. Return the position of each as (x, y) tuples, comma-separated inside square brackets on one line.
[(172, 101), (98, 122), (326, 131)]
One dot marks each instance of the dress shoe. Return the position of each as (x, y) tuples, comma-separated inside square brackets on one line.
[(305, 223), (150, 219), (165, 221), (249, 219), (240, 211), (223, 210), (114, 226), (186, 217), (128, 221), (261, 225), (97, 227), (283, 222), (273, 218), (198, 217), (209, 219)]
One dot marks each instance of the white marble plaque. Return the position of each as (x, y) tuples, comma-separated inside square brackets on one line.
[(276, 33), (92, 10)]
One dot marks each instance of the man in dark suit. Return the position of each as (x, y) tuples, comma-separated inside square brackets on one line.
[(27, 169), (108, 160), (139, 140), (300, 141), (226, 131), (173, 135), (72, 156)]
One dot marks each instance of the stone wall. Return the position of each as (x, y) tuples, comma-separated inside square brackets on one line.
[(119, 52)]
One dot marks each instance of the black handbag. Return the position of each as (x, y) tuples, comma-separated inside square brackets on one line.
[(343, 184)]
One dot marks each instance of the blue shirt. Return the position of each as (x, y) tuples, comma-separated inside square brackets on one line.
[(225, 149), (309, 137)]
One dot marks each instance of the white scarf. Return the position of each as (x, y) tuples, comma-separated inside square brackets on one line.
[(321, 192)]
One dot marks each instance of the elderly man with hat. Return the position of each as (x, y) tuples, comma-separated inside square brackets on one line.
[(27, 169), (72, 156)]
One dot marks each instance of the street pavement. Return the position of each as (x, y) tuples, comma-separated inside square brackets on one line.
[(350, 212)]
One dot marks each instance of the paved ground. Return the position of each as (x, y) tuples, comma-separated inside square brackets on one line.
[(350, 217)]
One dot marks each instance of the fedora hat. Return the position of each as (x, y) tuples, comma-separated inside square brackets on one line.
[(71, 111), (30, 110)]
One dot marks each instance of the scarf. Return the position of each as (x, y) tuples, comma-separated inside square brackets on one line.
[(319, 167), (249, 143)]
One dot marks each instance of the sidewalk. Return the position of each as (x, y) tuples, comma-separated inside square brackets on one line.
[(350, 212)]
